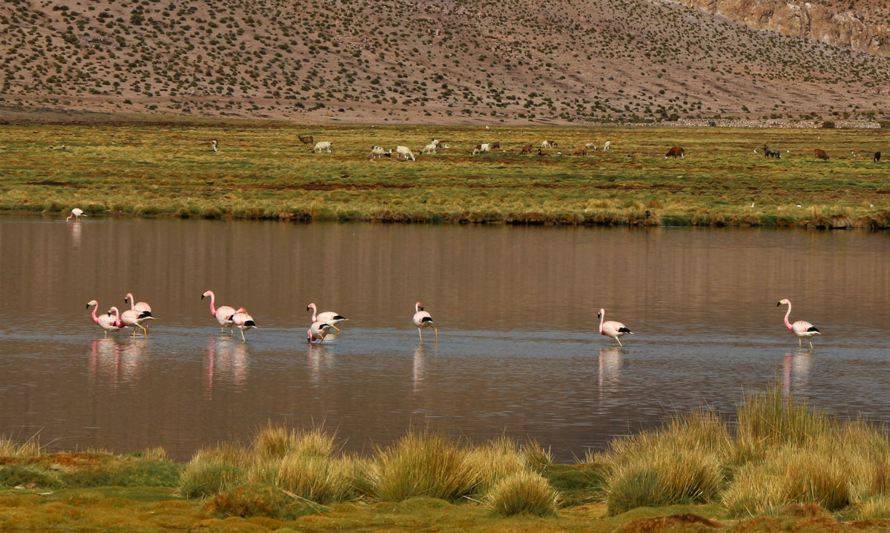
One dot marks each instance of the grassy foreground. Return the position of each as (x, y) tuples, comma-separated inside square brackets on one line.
[(265, 172), (783, 465)]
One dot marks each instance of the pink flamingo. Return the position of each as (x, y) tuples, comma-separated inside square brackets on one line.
[(223, 314), (143, 308), (423, 319), (317, 332), (76, 213), (327, 317), (107, 321), (611, 328), (801, 328), (131, 318), (242, 321)]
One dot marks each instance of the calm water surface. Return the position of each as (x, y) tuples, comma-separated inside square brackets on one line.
[(517, 306)]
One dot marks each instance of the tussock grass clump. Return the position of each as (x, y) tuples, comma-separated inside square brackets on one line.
[(29, 449), (212, 470), (767, 420), (278, 441), (874, 508), (257, 500), (315, 478), (523, 492), (420, 464), (536, 456), (496, 460)]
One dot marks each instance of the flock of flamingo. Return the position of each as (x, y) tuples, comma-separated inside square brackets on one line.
[(322, 323)]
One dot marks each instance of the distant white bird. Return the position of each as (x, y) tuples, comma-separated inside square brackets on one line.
[(223, 314), (214, 145), (242, 321), (423, 319), (752, 204), (801, 328), (327, 317), (317, 332), (612, 328), (76, 213), (106, 321)]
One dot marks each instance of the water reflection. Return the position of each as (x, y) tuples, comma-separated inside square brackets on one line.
[(75, 229), (132, 357), (104, 360), (225, 359), (796, 370), (317, 356), (417, 369), (609, 375)]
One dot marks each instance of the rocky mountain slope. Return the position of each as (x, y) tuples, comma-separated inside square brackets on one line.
[(862, 25), (422, 61)]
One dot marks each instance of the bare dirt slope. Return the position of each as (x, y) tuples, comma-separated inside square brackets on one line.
[(422, 61)]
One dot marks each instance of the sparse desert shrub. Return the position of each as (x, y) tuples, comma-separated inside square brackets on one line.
[(523, 492), (420, 464), (828, 125)]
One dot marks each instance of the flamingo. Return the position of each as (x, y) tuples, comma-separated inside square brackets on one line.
[(106, 321), (422, 319), (242, 321), (612, 328), (801, 328), (76, 213), (143, 308), (328, 317), (131, 318), (317, 332), (223, 314)]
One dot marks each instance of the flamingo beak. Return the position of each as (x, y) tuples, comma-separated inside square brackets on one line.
[(778, 304)]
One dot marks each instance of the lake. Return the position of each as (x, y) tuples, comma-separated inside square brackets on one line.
[(518, 352)]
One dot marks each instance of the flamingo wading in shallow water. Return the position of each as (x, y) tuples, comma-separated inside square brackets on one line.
[(801, 328), (106, 321), (422, 319), (143, 308), (223, 314), (131, 318), (76, 213), (317, 332), (242, 321), (327, 317), (611, 328)]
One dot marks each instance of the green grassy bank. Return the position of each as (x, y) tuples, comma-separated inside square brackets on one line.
[(779, 465), (267, 173)]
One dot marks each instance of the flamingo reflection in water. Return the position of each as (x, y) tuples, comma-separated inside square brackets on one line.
[(796, 370), (609, 367), (317, 356), (225, 359), (418, 366), (105, 355)]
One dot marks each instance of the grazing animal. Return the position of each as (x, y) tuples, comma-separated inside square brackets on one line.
[(482, 148), (317, 332), (611, 328), (328, 317), (580, 151), (306, 139), (322, 146), (821, 154), (76, 213), (877, 158), (106, 321), (548, 144), (242, 321), (676, 151), (405, 153), (801, 328), (607, 146), (771, 153), (541, 152), (378, 151), (590, 146), (214, 145), (496, 146), (527, 149), (423, 319), (431, 148), (222, 314)]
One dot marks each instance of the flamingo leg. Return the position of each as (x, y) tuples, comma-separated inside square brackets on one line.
[(144, 330), (619, 341), (811, 345), (335, 327), (420, 333), (799, 342), (243, 338), (437, 333), (106, 333)]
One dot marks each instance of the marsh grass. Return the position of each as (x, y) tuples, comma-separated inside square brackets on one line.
[(523, 492), (265, 173)]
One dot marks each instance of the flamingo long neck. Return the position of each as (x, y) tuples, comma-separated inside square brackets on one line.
[(417, 308), (117, 316), (787, 314), (314, 312), (602, 319), (132, 301), (94, 316), (212, 303)]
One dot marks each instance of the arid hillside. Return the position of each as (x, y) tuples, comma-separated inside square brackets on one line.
[(862, 25), (423, 61)]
